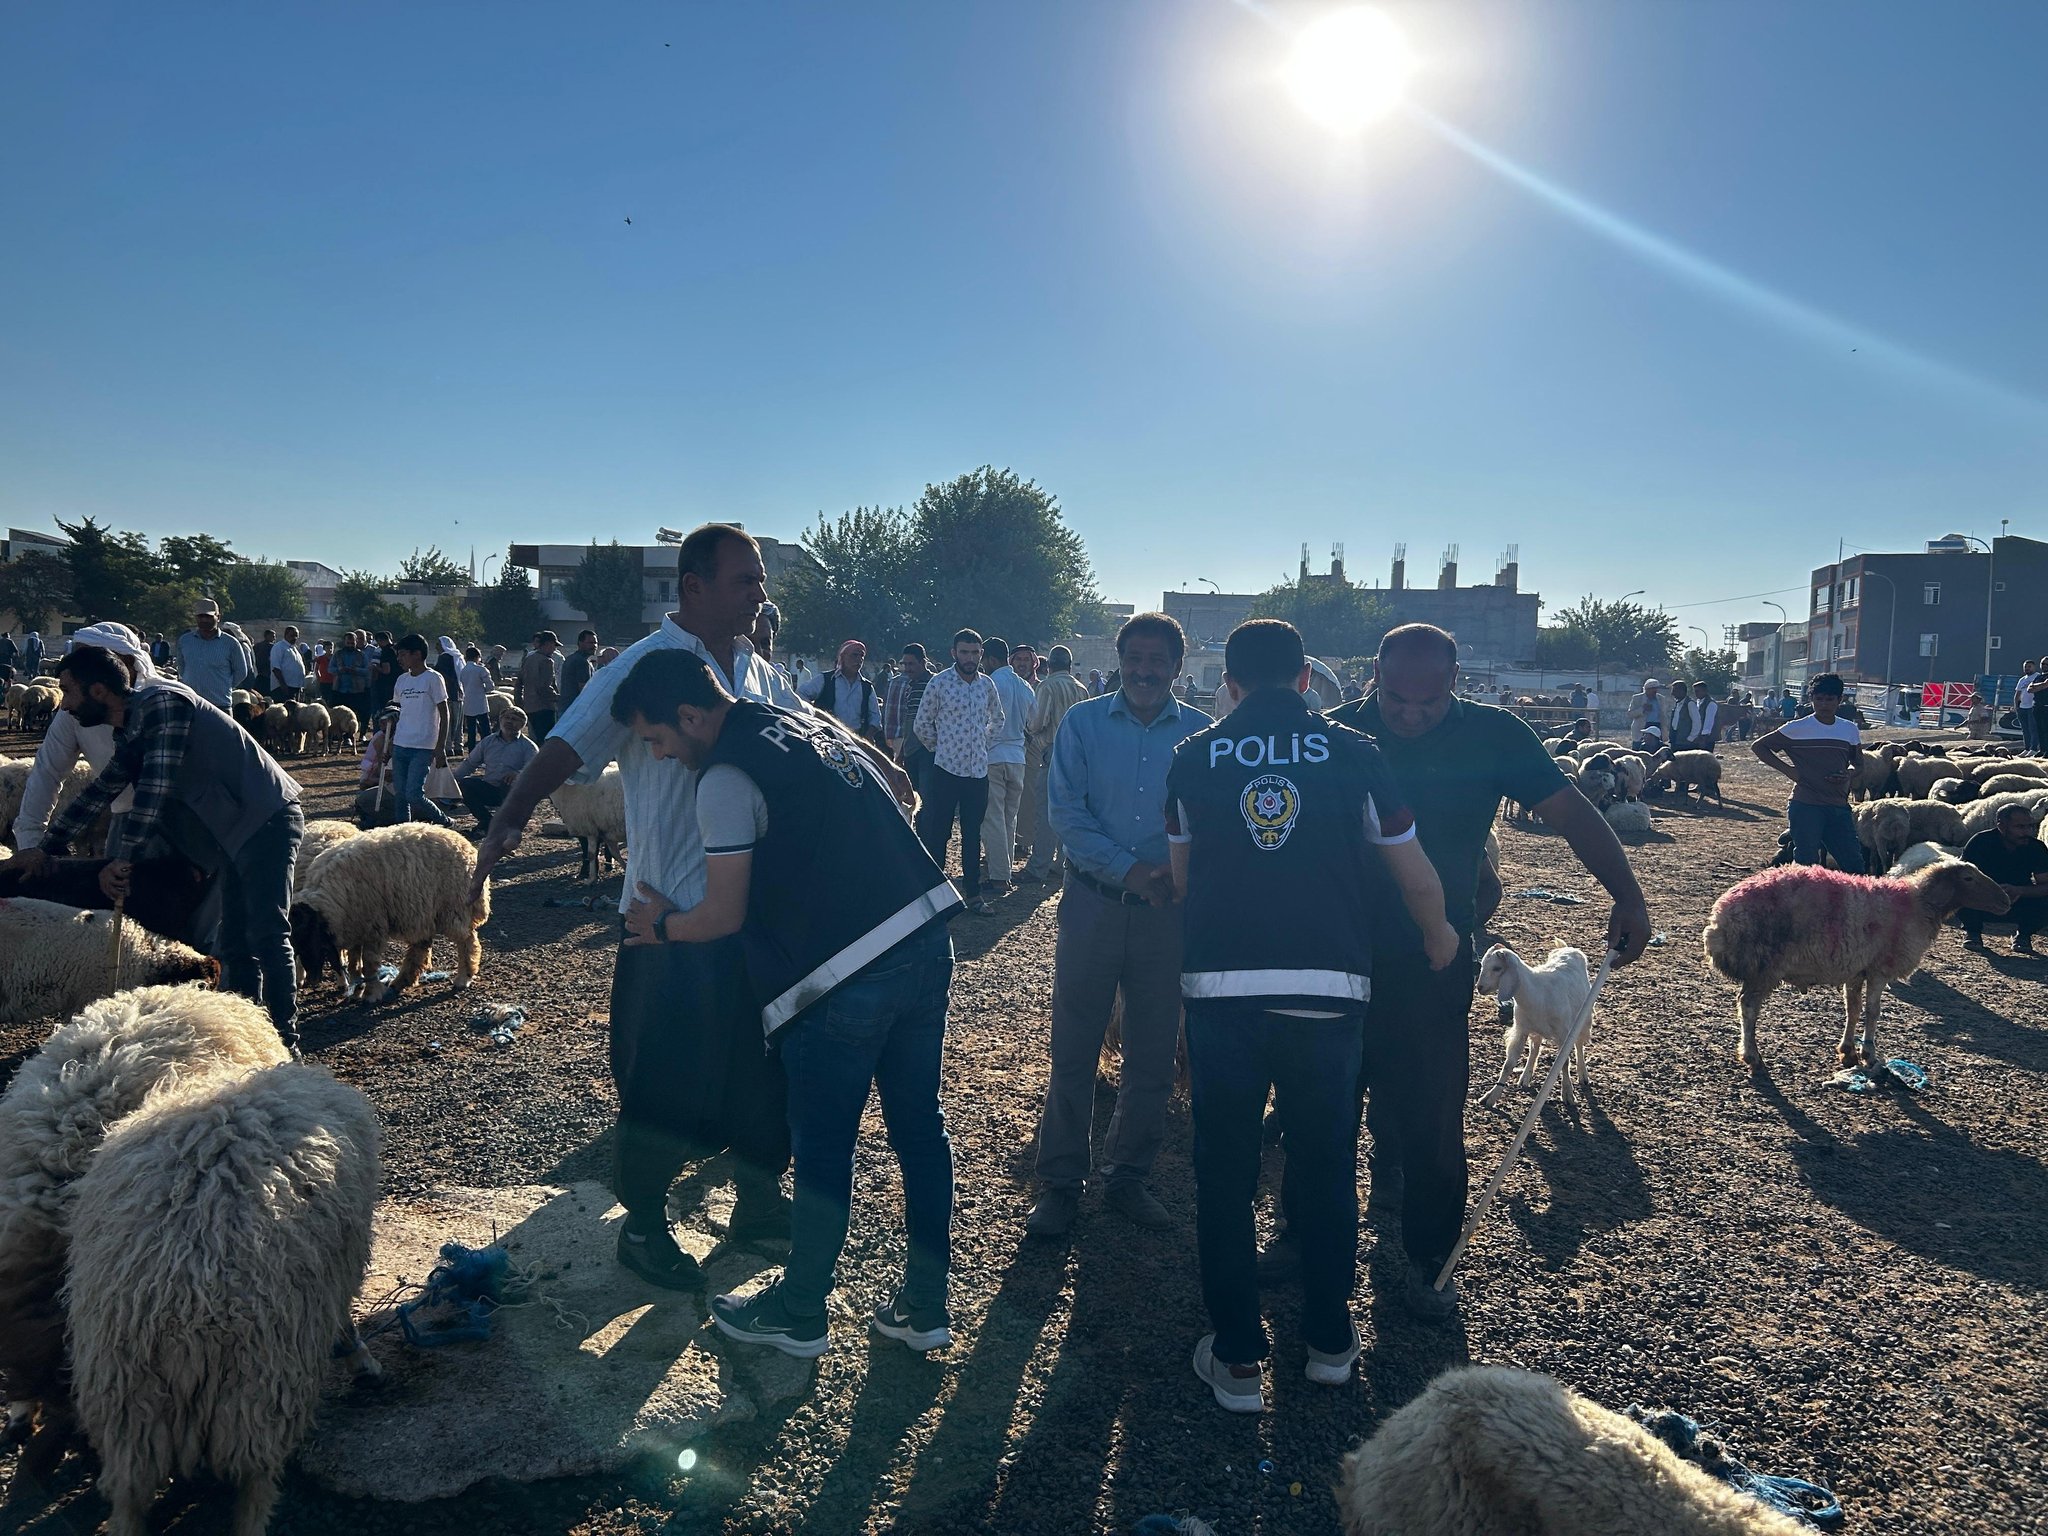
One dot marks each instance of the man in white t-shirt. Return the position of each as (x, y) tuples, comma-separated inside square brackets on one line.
[(421, 695), (287, 666), (2027, 703)]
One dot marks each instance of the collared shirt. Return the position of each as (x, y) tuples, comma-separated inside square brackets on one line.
[(214, 668), (663, 847), (286, 660), (496, 760), (539, 682), (1107, 783), (853, 699), (958, 719), (476, 683), (1060, 692), (900, 713), (351, 670), (1018, 697), (149, 749)]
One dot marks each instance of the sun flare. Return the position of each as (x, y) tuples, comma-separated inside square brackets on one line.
[(1349, 69)]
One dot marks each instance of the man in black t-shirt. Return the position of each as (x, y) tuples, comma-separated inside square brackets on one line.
[(2013, 854)]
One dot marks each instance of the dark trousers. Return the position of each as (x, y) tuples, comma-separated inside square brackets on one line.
[(917, 762), (285, 695), (254, 945), (481, 799), (693, 1073), (1832, 827), (947, 795), (474, 729), (2029, 912), (1236, 1053), (539, 722), (2030, 727), (885, 1029)]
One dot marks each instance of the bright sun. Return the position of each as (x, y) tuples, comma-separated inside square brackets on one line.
[(1349, 69)]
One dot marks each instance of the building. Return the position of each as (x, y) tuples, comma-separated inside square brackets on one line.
[(1763, 657), (1947, 613), (553, 565), (321, 581), (20, 541), (1493, 623)]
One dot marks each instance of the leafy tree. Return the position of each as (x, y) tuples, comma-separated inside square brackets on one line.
[(433, 570), (1618, 634), (266, 589), (1717, 669), (508, 611), (197, 560), (107, 568), (1334, 620), (453, 617), (360, 603), (991, 549), (610, 589), (164, 608), (36, 589), (862, 589)]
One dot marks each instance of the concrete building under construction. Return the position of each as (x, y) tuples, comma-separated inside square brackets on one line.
[(1493, 623)]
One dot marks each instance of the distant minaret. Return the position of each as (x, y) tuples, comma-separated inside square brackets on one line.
[(472, 565)]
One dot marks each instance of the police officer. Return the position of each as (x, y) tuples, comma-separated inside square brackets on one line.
[(1279, 823), (852, 983)]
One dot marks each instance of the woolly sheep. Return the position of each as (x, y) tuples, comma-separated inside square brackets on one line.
[(2029, 767), (1885, 829), (1919, 856), (92, 1071), (1953, 791), (1918, 775), (320, 836), (16, 693), (343, 728), (1984, 768), (1981, 815), (1547, 1000), (14, 772), (1487, 1451), (275, 730), (55, 959), (410, 883), (1687, 769), (1804, 926), (1598, 781), (1629, 818), (1874, 774), (496, 702), (1634, 770), (595, 815), (38, 705), (310, 721), (1930, 821), (275, 1236), (2010, 784)]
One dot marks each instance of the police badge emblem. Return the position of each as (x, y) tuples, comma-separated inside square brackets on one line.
[(838, 758), (1270, 805)]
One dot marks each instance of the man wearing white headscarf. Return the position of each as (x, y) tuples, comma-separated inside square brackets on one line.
[(67, 741)]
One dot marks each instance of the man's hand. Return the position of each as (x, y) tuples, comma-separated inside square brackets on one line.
[(1153, 882), (500, 841), (1628, 930), (31, 863), (114, 879), (899, 784), (645, 916), (1440, 944)]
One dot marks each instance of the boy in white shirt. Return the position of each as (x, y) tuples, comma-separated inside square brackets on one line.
[(421, 695), (475, 678)]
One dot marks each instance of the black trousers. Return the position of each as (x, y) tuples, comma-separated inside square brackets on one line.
[(2029, 912), (946, 795), (539, 722), (482, 799), (694, 1075)]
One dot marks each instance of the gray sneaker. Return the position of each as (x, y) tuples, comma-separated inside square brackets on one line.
[(1239, 1388), (1138, 1205), (1052, 1215), (1424, 1302)]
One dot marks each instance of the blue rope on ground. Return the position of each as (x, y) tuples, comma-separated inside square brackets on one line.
[(466, 1287), (1804, 1501)]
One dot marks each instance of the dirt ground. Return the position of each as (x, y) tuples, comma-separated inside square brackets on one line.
[(1849, 1287)]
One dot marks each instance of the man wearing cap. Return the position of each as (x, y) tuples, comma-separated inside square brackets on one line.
[(1648, 711), (211, 662), (1058, 693), (539, 689)]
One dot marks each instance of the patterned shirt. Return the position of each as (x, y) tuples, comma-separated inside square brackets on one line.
[(149, 749), (900, 713), (958, 719)]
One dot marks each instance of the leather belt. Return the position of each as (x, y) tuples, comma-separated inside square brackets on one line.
[(1114, 893)]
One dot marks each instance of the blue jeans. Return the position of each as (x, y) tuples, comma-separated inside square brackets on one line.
[(409, 769), (1236, 1052), (1832, 827), (886, 1027), (254, 946)]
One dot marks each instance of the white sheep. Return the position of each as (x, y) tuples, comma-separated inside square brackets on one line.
[(410, 883), (16, 693), (1629, 818), (310, 721), (14, 772), (496, 702), (344, 729), (1981, 815), (92, 1071), (219, 1240), (2010, 784), (1547, 1000), (320, 835), (1597, 779), (1919, 856), (1984, 768), (1804, 926), (55, 959), (1885, 829), (595, 815), (38, 706), (1918, 775), (1874, 772), (1487, 1451), (1689, 769), (1953, 791)]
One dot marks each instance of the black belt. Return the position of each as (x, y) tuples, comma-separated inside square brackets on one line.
[(1115, 893)]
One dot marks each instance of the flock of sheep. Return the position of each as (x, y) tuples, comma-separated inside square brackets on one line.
[(1913, 793), (1615, 778)]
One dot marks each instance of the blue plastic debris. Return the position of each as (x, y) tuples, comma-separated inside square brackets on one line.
[(1806, 1502), (460, 1294)]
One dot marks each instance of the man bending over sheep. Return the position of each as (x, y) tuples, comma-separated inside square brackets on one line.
[(1820, 754)]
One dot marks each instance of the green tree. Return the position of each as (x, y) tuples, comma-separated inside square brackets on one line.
[(1717, 669), (107, 568), (508, 611), (266, 589), (1334, 620), (453, 617), (862, 587), (433, 570), (610, 589), (992, 550), (164, 608), (35, 590), (196, 560), (1620, 634), (361, 604)]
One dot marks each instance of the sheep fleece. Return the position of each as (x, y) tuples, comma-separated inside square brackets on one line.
[(55, 959), (1492, 1452), (320, 836), (220, 1238), (409, 882)]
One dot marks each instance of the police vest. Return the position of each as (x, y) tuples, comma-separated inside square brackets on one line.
[(1274, 797), (839, 879)]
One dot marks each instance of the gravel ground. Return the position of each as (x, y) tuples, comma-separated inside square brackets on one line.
[(1850, 1286)]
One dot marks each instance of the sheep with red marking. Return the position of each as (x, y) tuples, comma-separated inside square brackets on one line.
[(1803, 926)]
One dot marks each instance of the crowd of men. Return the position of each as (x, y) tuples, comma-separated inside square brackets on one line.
[(1292, 891)]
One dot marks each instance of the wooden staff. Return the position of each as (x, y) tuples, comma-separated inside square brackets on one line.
[(120, 916)]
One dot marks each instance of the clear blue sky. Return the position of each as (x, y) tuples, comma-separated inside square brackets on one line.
[(326, 279)]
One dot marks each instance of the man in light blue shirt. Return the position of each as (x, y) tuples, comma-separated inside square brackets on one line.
[(1006, 764), (211, 662), (1118, 929)]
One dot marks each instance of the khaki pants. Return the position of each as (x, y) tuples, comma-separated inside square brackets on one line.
[(999, 822), (1103, 946), (1037, 832)]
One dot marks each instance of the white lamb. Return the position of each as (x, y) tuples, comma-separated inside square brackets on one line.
[(91, 1072), (1486, 1451), (410, 883), (1919, 856), (1629, 818), (1982, 815), (1918, 775), (1885, 829), (55, 959), (343, 728), (219, 1240), (310, 724), (1547, 1000), (595, 815), (496, 702)]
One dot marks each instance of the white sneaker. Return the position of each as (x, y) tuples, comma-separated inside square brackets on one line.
[(1332, 1370), (1239, 1393)]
